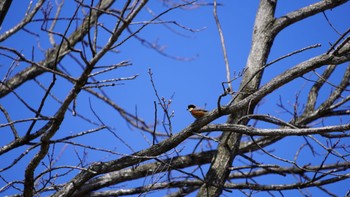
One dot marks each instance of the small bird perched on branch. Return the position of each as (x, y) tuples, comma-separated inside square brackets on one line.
[(196, 112)]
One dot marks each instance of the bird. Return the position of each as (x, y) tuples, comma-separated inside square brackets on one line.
[(196, 112)]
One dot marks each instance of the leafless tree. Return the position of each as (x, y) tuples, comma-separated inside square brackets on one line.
[(75, 36)]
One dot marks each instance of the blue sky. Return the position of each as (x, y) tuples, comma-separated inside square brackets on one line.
[(197, 81)]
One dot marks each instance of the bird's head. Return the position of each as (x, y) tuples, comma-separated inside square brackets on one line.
[(191, 107)]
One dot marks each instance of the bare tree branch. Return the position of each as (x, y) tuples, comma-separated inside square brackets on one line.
[(75, 122)]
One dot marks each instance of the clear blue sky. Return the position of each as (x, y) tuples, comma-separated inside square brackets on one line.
[(196, 81)]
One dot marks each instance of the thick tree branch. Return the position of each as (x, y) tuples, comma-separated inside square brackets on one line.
[(4, 7), (305, 12), (275, 132), (313, 94)]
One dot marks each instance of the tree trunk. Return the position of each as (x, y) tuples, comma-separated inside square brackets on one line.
[(229, 143)]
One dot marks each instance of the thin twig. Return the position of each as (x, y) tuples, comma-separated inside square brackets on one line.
[(222, 40), (330, 24), (162, 103), (338, 41), (293, 53), (155, 123)]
